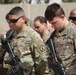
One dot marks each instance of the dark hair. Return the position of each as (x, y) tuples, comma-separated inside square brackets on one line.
[(53, 10), (7, 16), (41, 19), (16, 10)]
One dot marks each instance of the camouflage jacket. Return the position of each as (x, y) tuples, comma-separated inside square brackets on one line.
[(49, 55), (45, 37), (65, 45), (29, 47)]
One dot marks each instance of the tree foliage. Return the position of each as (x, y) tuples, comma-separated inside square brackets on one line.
[(69, 0), (9, 1), (29, 1)]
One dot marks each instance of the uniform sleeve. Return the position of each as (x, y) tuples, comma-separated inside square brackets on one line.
[(22, 49), (74, 34), (40, 54), (39, 46)]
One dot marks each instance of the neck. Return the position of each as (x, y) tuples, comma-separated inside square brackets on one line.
[(45, 31), (23, 28), (66, 23)]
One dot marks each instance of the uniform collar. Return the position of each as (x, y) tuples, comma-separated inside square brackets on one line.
[(22, 34), (46, 36)]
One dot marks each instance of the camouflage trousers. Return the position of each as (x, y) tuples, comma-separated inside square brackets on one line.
[(51, 72), (71, 70), (3, 71)]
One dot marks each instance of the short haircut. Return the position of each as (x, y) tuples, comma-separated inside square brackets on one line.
[(16, 11), (41, 19), (53, 10), (73, 12), (7, 16)]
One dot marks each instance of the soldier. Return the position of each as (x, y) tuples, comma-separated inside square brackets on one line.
[(27, 44), (11, 30), (72, 16), (64, 38), (40, 24), (1, 58), (28, 21), (1, 53)]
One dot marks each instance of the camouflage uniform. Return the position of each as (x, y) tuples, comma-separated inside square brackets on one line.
[(29, 47), (1, 53), (1, 63), (3, 70), (45, 37), (65, 45)]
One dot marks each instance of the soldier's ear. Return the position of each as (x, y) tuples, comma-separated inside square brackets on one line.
[(23, 18), (45, 24), (62, 16)]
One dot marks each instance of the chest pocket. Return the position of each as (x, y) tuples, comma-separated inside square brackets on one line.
[(64, 46), (69, 46), (22, 46)]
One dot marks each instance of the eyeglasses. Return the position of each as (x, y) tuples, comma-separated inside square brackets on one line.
[(72, 18), (14, 20)]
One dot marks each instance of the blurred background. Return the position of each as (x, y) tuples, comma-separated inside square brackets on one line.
[(32, 9), (34, 1)]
